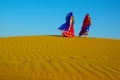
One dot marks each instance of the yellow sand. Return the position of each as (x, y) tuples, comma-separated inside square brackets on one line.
[(59, 58)]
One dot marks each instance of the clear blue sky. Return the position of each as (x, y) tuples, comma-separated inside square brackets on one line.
[(43, 17)]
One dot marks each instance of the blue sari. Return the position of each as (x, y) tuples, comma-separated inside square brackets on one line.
[(65, 26)]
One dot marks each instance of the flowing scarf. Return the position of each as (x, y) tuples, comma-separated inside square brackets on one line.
[(66, 25)]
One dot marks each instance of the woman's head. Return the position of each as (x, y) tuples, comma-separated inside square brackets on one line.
[(69, 16), (87, 14)]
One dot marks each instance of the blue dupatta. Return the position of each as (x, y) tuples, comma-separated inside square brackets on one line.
[(65, 26)]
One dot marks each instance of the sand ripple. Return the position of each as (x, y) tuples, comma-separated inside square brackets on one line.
[(57, 58)]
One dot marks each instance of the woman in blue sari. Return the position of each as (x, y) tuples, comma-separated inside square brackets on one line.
[(68, 27)]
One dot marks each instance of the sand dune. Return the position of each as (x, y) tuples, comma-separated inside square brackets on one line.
[(59, 58)]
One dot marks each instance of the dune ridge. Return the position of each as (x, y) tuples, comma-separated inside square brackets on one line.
[(59, 58)]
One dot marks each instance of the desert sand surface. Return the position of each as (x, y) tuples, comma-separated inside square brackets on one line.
[(59, 58)]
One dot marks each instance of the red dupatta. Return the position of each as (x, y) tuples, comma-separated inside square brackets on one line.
[(86, 21)]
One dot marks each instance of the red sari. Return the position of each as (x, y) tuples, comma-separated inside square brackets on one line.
[(85, 26), (70, 32)]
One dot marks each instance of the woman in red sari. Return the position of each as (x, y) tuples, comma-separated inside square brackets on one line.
[(85, 27), (68, 27)]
